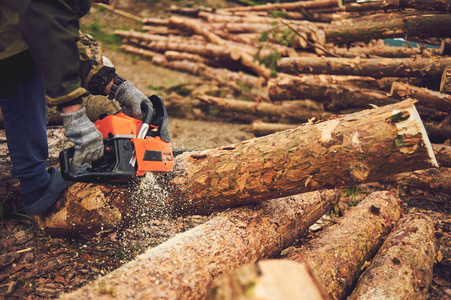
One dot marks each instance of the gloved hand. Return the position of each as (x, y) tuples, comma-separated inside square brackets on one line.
[(84, 134), (128, 95)]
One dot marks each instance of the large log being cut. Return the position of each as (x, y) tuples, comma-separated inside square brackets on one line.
[(358, 148), (185, 266), (337, 254), (402, 269)]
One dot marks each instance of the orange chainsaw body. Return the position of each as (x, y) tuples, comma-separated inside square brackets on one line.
[(152, 153)]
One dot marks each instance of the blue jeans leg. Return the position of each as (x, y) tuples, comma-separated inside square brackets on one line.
[(24, 110)]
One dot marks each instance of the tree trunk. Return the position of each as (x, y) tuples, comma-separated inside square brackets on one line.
[(425, 97), (287, 6), (443, 155), (445, 84), (445, 47), (419, 26), (336, 153), (438, 133), (186, 265), (337, 255), (269, 279), (260, 128), (372, 67), (296, 111), (358, 148), (336, 96), (429, 5), (437, 180), (384, 51), (402, 269)]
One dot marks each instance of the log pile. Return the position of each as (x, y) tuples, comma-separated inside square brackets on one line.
[(316, 51), (316, 60)]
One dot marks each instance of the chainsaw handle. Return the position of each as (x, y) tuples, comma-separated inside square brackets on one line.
[(147, 109)]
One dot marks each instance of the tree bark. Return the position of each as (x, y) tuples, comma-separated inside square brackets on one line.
[(299, 111), (268, 279), (445, 47), (418, 26), (287, 6), (186, 265), (337, 255), (336, 96), (443, 154), (402, 269), (384, 51), (425, 97), (372, 67), (445, 84), (437, 180), (434, 5), (336, 153)]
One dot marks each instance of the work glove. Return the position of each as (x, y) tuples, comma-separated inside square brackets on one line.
[(130, 97), (84, 134)]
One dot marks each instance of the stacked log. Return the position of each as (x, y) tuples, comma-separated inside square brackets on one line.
[(288, 52)]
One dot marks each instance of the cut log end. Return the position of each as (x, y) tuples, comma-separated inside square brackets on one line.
[(408, 122)]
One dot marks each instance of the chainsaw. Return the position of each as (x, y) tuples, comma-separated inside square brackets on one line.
[(131, 147)]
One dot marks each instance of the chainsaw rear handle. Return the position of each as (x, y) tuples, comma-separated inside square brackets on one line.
[(147, 110)]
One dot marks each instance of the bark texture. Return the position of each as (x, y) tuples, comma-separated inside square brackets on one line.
[(425, 97), (268, 279), (437, 180), (336, 96), (372, 67), (445, 84), (336, 256), (360, 147), (185, 266), (402, 269), (420, 26)]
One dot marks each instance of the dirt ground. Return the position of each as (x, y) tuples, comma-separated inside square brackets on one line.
[(36, 265)]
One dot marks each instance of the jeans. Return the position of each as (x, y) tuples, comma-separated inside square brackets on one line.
[(24, 110)]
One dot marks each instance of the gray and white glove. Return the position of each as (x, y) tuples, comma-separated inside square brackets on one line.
[(84, 134), (130, 97)]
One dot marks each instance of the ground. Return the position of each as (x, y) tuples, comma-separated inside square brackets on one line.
[(36, 265)]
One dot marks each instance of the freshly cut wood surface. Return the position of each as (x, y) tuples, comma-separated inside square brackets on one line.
[(185, 266), (336, 256), (268, 279), (402, 268)]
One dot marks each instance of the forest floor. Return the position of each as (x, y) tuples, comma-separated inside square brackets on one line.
[(36, 265)]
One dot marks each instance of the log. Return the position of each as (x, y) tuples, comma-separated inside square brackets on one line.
[(438, 133), (443, 154), (120, 12), (437, 180), (434, 5), (372, 67), (336, 96), (336, 256), (425, 97), (286, 6), (299, 111), (184, 266), (268, 279), (358, 148), (219, 178), (445, 83), (445, 47), (384, 51), (418, 26), (410, 249), (260, 128)]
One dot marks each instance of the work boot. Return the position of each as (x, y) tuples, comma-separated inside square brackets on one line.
[(54, 189)]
